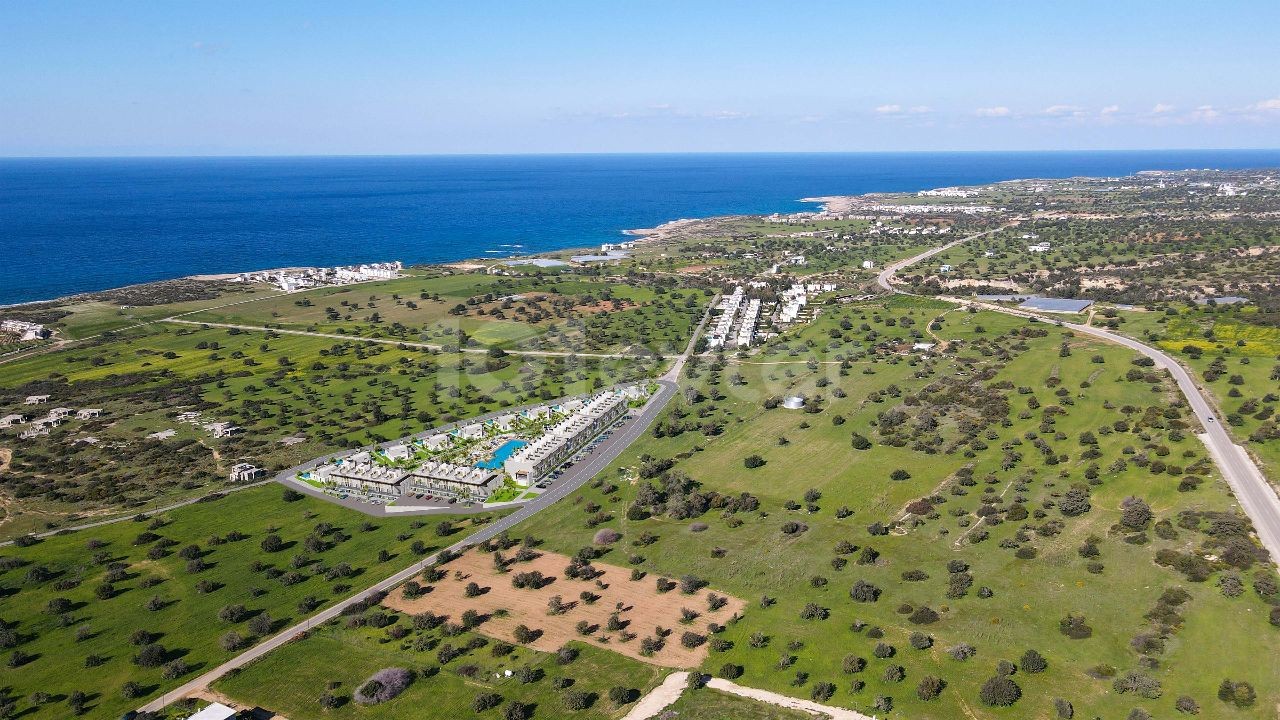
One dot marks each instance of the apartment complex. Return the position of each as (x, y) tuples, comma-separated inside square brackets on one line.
[(564, 438)]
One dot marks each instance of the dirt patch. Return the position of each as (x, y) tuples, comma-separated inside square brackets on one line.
[(694, 269), (638, 604), (6, 457)]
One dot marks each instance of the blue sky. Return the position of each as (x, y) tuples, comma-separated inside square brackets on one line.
[(228, 77)]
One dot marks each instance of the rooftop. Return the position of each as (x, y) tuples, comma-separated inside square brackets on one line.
[(1058, 305)]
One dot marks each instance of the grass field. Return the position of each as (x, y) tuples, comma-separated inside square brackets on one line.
[(708, 704), (1032, 567), (541, 311), (330, 393), (59, 614), (291, 679), (1246, 384)]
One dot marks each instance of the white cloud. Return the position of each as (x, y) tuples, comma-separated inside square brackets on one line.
[(1205, 113), (920, 110), (1266, 105), (888, 109), (1062, 111), (1162, 108), (993, 112), (1109, 110)]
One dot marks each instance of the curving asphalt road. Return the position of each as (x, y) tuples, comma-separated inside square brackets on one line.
[(1251, 488)]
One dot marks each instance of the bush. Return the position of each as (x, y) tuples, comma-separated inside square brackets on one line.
[(1138, 684), (865, 592), (486, 701), (606, 536), (1000, 691), (929, 687), (1033, 662), (1074, 627), (753, 461), (383, 685), (924, 615), (729, 671)]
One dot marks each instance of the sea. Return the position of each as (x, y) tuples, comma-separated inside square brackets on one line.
[(78, 225)]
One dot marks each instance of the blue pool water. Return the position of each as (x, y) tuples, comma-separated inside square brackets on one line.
[(501, 454)]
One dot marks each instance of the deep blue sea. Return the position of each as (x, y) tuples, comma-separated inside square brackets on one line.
[(73, 225)]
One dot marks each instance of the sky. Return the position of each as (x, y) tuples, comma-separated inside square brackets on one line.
[(322, 78)]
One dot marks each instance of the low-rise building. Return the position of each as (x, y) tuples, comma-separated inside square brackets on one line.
[(223, 429), (436, 442), (36, 400), (461, 481), (565, 437), (244, 472), (88, 413), (367, 477), (474, 431), (24, 330), (399, 451), (9, 421)]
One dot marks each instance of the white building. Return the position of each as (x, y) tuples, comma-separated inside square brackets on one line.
[(436, 442), (868, 264), (564, 438), (462, 481), (244, 472), (25, 330), (223, 429), (474, 431), (9, 421), (944, 268), (399, 451), (36, 400), (88, 413), (1039, 247)]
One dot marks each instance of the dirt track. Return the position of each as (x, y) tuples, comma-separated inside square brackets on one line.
[(642, 607)]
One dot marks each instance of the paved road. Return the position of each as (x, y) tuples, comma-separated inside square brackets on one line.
[(571, 481), (406, 343), (1256, 496)]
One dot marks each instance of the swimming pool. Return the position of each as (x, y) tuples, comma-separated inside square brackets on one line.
[(501, 454)]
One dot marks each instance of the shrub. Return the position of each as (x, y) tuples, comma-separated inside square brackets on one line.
[(1000, 691), (1074, 627), (1138, 684), (606, 536), (729, 671), (924, 615), (486, 701), (863, 591), (929, 687), (753, 461), (383, 685), (1033, 662)]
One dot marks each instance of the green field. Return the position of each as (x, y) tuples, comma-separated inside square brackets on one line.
[(58, 614), (540, 311), (709, 704), (750, 554), (338, 658), (1236, 359), (330, 393)]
